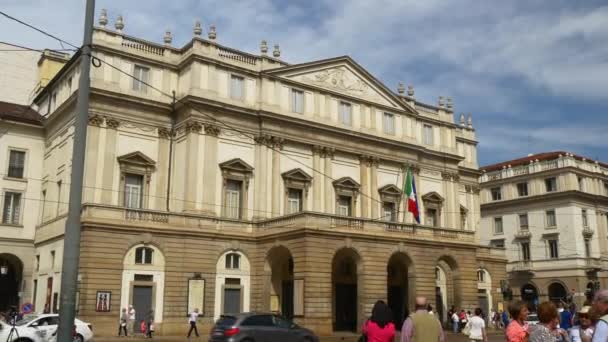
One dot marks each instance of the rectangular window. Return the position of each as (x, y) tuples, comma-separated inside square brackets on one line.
[(389, 123), (294, 201), (54, 101), (525, 251), (69, 83), (346, 113), (587, 248), (498, 225), (12, 208), (59, 188), (553, 249), (551, 184), (37, 262), (550, 215), (233, 198), (133, 191), (233, 261), (427, 134), (496, 194), (141, 75), (344, 206), (523, 221), (52, 259), (584, 217), (390, 214), (16, 164), (581, 183), (522, 189), (606, 188), (237, 87), (35, 289), (431, 217), (297, 101), (43, 205)]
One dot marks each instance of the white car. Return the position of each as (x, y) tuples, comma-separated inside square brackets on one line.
[(45, 327), (19, 334)]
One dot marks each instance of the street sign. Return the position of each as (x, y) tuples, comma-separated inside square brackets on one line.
[(27, 308)]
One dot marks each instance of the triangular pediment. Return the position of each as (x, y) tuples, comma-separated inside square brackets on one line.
[(390, 189), (237, 165), (136, 158), (346, 182), (432, 197), (297, 175), (342, 75)]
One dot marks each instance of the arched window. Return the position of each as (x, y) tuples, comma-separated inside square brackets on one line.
[(233, 261), (481, 276), (143, 255)]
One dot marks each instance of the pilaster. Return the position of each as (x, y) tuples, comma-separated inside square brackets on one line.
[(109, 162), (90, 171), (364, 170), (160, 202), (317, 180), (373, 192), (277, 144), (210, 168), (328, 155), (191, 186)]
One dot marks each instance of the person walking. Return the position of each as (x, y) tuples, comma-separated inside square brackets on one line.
[(122, 325), (379, 327), (547, 330), (132, 323), (192, 321), (600, 307), (420, 326), (463, 319), (504, 317), (150, 323), (584, 331), (478, 327), (517, 330), (455, 319), (565, 317)]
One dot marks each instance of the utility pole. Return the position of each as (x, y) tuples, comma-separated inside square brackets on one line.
[(71, 241)]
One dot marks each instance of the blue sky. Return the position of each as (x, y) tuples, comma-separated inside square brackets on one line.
[(533, 73)]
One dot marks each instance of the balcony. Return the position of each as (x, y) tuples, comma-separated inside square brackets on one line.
[(523, 234), (522, 266), (587, 232), (593, 265)]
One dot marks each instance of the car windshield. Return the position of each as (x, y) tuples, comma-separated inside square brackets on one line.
[(27, 320), (225, 321)]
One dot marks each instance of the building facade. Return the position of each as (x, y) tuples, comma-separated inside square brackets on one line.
[(227, 181), (21, 160), (548, 211)]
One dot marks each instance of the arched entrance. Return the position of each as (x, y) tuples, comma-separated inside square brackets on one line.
[(11, 275), (557, 293), (279, 266), (232, 283), (344, 280), (529, 294), (398, 286), (447, 288)]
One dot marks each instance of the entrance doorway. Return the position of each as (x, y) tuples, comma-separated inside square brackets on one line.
[(287, 300), (344, 278), (529, 294), (10, 281), (142, 302), (279, 270), (397, 283), (558, 293)]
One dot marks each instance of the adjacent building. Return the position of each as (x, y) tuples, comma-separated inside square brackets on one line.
[(549, 212), (227, 181)]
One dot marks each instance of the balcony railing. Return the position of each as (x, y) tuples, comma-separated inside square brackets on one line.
[(522, 266), (593, 264), (523, 234)]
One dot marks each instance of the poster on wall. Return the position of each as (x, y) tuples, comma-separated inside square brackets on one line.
[(196, 296), (102, 304)]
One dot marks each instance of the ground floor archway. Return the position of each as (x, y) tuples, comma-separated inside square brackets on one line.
[(280, 268), (398, 286), (529, 294), (345, 291), (557, 293), (11, 275)]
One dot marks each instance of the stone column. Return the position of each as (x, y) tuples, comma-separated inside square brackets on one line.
[(456, 200), (109, 163), (277, 194), (193, 131), (373, 192), (90, 171), (257, 165), (162, 169), (448, 209), (328, 154), (210, 168), (364, 170), (262, 177), (317, 180)]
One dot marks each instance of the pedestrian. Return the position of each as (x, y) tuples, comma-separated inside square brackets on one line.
[(379, 327), (517, 330), (455, 321), (420, 326), (132, 323), (583, 332), (463, 319), (565, 317), (449, 316), (478, 327), (492, 318), (122, 327), (600, 307), (192, 321), (143, 328), (505, 319), (548, 330), (150, 320)]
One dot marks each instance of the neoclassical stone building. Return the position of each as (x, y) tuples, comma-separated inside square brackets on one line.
[(236, 182), (549, 211)]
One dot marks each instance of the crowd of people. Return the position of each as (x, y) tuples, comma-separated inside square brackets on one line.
[(128, 325)]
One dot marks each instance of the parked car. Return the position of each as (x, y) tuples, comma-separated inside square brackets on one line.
[(21, 333), (532, 318), (254, 327), (46, 325)]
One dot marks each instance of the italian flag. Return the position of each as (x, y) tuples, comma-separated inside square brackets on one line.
[(410, 194)]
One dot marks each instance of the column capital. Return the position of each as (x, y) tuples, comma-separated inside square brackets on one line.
[(193, 127), (408, 165), (328, 152), (211, 129), (164, 133), (95, 120), (277, 142), (112, 123), (450, 176)]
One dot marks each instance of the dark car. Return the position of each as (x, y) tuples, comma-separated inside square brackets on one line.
[(258, 327)]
